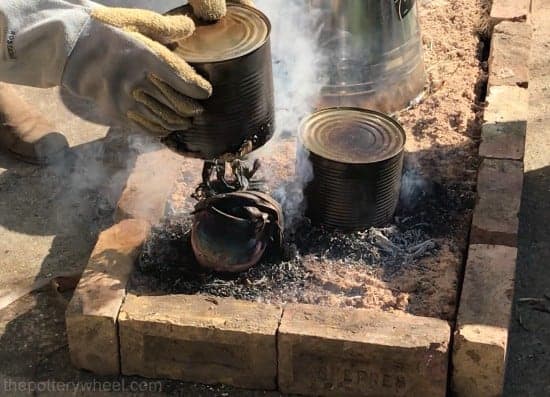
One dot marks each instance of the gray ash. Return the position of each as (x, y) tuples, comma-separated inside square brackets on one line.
[(167, 264), (390, 249)]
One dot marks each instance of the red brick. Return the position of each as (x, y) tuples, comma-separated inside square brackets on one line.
[(200, 339), (510, 52), (503, 140), (148, 186), (506, 104), (510, 10)]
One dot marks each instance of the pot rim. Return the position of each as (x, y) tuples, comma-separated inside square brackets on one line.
[(305, 120), (259, 46)]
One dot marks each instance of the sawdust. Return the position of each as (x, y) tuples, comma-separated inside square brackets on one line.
[(438, 197)]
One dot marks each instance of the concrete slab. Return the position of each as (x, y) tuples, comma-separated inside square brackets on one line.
[(50, 216), (45, 213), (529, 340)]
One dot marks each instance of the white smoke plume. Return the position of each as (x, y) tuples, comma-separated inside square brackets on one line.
[(297, 60), (297, 64), (414, 185)]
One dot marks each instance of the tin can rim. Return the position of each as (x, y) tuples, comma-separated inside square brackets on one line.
[(302, 129), (255, 48)]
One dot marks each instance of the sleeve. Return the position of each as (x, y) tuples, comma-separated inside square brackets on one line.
[(37, 37)]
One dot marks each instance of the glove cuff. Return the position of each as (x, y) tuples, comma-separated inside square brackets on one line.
[(40, 37)]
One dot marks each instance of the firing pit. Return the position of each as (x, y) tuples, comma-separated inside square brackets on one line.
[(410, 266), (341, 313)]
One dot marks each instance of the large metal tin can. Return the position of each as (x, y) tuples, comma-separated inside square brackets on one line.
[(234, 54), (357, 160), (375, 53)]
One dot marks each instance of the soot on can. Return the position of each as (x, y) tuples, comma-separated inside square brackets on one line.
[(234, 54), (357, 160)]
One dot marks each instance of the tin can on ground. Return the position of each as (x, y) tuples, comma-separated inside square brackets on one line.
[(357, 158), (234, 54)]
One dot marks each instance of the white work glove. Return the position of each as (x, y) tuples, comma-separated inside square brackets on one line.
[(212, 10), (113, 56)]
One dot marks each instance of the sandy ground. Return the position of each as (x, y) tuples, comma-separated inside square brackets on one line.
[(440, 170)]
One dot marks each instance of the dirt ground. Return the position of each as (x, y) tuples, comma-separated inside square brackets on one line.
[(435, 211)]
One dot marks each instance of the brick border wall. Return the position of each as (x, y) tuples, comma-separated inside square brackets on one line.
[(484, 315), (298, 349)]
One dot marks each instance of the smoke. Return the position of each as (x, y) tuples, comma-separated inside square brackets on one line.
[(297, 64), (414, 186), (297, 60)]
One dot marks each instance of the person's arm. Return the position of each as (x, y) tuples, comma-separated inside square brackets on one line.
[(36, 38), (115, 57)]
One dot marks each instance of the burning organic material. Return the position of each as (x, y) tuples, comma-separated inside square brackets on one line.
[(233, 221), (232, 231), (413, 265)]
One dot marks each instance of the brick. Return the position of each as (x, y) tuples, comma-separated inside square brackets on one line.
[(510, 10), (496, 215), (92, 313), (148, 186), (349, 352), (488, 286), (503, 140), (510, 52), (506, 104), (479, 350), (200, 339)]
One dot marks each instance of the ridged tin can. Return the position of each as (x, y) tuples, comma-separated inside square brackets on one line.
[(234, 54), (357, 160)]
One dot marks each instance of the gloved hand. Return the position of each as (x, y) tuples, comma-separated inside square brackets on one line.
[(113, 56), (120, 62), (212, 10)]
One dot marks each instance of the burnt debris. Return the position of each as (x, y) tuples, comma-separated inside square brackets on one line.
[(167, 263)]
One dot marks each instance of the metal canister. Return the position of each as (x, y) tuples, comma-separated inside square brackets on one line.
[(357, 160), (234, 54), (376, 53)]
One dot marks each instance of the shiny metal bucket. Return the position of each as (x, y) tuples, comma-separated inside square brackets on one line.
[(375, 53), (234, 54)]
